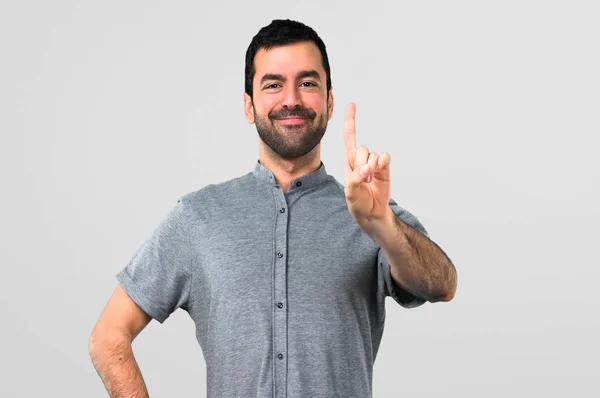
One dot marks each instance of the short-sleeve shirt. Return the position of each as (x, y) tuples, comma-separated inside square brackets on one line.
[(286, 291)]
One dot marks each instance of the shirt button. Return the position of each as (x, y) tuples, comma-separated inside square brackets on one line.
[(280, 356), (299, 183), (282, 210), (280, 304), (280, 254)]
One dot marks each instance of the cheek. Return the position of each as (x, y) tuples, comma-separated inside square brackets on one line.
[(264, 106), (316, 102)]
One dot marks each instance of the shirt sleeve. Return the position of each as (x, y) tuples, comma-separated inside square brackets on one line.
[(158, 277), (389, 287)]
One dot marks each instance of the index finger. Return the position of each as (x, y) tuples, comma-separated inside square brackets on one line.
[(350, 129)]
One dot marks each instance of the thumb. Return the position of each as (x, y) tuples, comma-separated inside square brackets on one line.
[(355, 180)]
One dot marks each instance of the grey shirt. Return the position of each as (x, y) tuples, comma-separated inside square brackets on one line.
[(287, 293)]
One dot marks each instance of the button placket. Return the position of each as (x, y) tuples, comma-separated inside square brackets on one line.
[(279, 294)]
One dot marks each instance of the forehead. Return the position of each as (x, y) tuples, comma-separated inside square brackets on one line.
[(288, 59)]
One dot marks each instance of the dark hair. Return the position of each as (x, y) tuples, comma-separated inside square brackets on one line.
[(281, 32)]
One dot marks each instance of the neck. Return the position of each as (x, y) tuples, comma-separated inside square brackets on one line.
[(287, 170)]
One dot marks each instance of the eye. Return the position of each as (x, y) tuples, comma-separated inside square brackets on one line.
[(272, 85), (308, 84)]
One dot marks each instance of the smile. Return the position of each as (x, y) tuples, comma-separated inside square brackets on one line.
[(292, 120)]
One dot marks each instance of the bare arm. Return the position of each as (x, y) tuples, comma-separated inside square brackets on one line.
[(416, 263), (110, 346)]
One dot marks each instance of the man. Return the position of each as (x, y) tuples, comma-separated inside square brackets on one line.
[(284, 270)]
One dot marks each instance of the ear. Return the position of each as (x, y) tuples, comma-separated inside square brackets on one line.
[(330, 104), (248, 108)]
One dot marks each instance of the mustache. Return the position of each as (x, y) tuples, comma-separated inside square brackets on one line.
[(295, 112)]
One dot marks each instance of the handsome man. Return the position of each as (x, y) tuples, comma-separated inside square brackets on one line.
[(284, 270)]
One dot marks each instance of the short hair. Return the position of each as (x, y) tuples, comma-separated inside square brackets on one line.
[(281, 32)]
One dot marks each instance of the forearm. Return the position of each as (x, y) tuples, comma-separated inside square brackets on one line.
[(416, 263), (114, 361)]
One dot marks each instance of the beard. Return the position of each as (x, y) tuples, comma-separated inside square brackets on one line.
[(291, 141)]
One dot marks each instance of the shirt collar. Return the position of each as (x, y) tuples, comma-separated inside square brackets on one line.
[(306, 181)]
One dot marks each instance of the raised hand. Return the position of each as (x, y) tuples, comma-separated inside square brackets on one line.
[(367, 176)]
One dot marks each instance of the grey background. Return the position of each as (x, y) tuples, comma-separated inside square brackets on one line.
[(111, 110)]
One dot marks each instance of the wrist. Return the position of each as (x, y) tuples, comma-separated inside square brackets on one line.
[(385, 228)]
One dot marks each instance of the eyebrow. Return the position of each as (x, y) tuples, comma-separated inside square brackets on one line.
[(301, 75)]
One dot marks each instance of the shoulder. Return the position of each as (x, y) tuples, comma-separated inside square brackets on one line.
[(216, 190), (216, 195)]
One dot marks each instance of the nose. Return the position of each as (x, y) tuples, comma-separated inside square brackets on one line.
[(291, 98)]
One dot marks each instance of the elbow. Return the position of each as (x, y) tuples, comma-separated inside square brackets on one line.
[(97, 340), (103, 342), (94, 349), (445, 293), (447, 296), (449, 291), (441, 296), (96, 345), (93, 342)]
